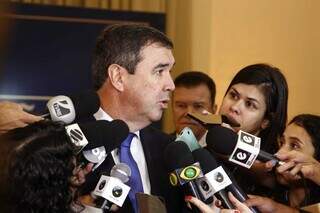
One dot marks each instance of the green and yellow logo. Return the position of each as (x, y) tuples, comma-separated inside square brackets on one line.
[(190, 173), (173, 179)]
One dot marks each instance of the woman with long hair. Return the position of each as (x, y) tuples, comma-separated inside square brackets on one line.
[(39, 171)]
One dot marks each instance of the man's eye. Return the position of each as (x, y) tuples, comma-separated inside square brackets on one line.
[(159, 72), (181, 105), (198, 107)]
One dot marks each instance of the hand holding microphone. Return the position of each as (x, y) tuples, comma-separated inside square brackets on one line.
[(297, 162), (13, 116), (204, 208)]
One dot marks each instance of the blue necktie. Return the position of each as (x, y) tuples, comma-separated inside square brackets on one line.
[(135, 180)]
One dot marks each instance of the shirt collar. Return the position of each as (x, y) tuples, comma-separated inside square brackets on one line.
[(103, 115)]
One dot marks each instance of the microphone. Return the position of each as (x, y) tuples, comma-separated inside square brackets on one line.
[(67, 109), (208, 163), (209, 119), (112, 189), (186, 136), (99, 133), (179, 160), (219, 179), (243, 148), (215, 174), (96, 139)]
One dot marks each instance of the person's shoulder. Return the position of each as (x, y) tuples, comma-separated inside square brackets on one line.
[(157, 134)]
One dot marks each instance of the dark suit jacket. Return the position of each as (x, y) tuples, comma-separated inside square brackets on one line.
[(153, 142)]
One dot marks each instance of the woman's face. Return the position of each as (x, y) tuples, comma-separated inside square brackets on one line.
[(295, 138), (245, 104)]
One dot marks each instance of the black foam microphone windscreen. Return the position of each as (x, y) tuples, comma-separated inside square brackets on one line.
[(177, 155), (104, 133), (178, 158), (86, 104), (223, 141)]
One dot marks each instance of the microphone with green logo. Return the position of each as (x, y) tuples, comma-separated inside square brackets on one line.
[(184, 171)]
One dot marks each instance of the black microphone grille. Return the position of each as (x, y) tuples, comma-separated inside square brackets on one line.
[(86, 104), (105, 133), (221, 139), (206, 160), (177, 155)]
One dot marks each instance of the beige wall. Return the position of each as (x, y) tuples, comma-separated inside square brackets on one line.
[(221, 36), (230, 34)]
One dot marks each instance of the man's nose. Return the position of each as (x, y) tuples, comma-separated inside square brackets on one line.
[(188, 109), (169, 84)]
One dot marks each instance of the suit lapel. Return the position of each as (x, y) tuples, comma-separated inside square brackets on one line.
[(152, 156)]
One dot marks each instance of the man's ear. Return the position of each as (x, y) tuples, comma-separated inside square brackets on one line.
[(115, 76)]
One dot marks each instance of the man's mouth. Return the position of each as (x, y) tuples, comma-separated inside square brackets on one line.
[(164, 103)]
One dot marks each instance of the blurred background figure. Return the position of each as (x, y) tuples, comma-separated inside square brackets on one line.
[(195, 92), (39, 171)]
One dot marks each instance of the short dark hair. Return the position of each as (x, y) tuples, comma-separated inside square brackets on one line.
[(38, 162), (275, 89), (121, 44), (191, 79), (311, 124)]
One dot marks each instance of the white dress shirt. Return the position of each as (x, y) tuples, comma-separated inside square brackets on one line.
[(202, 140), (135, 149)]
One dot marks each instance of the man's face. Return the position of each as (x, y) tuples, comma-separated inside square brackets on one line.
[(192, 99), (148, 90)]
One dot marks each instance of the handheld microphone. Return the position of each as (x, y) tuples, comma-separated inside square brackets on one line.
[(179, 160), (220, 178), (96, 139), (243, 148), (67, 109), (215, 174), (209, 119), (112, 189), (208, 162), (186, 135)]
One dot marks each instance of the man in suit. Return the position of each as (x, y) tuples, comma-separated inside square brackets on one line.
[(195, 92), (131, 71)]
